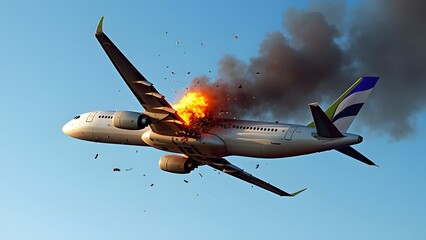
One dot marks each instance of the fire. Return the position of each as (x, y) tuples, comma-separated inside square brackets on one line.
[(192, 106)]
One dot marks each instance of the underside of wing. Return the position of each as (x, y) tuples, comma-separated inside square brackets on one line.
[(166, 121), (228, 168)]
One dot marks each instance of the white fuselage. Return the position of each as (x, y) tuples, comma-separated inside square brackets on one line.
[(227, 137)]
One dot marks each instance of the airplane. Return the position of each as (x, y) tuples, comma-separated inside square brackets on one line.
[(161, 127)]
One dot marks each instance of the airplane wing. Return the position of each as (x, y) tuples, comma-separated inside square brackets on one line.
[(166, 120), (228, 168)]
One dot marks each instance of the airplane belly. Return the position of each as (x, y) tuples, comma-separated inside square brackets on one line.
[(207, 146), (254, 145)]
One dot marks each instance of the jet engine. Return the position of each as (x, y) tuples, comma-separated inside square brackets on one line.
[(130, 120), (176, 164)]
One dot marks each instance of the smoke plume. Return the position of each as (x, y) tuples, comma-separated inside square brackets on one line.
[(323, 53)]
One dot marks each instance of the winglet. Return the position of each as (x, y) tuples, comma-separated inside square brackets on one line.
[(99, 28), (296, 193)]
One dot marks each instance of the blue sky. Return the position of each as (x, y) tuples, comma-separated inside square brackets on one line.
[(52, 68)]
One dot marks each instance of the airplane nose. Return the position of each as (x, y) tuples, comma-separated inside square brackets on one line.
[(68, 128)]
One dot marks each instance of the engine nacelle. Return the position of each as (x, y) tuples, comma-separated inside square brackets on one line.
[(130, 120), (176, 164)]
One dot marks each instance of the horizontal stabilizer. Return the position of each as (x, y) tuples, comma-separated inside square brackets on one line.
[(351, 152), (324, 126)]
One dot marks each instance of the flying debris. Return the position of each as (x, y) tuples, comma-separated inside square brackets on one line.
[(116, 169), (152, 185), (235, 37), (240, 86), (200, 174), (257, 166), (257, 73), (129, 169), (96, 156), (189, 73), (186, 181)]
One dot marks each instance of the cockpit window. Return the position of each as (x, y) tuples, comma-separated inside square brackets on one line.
[(77, 117)]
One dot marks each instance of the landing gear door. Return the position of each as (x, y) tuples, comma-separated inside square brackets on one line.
[(91, 116), (289, 133)]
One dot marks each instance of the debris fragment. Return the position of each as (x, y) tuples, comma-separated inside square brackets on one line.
[(129, 169), (186, 181), (257, 73), (189, 73), (137, 151), (257, 166), (152, 184), (240, 86), (144, 175), (235, 37), (116, 170), (200, 174), (96, 156), (173, 73), (210, 71)]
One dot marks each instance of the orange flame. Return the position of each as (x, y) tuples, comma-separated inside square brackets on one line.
[(192, 106)]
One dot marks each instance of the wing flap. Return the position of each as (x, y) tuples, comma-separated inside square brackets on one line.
[(228, 168)]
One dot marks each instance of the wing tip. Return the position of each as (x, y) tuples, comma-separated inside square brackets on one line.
[(99, 29), (298, 192)]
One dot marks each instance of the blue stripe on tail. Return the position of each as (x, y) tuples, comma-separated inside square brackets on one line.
[(351, 110), (367, 84)]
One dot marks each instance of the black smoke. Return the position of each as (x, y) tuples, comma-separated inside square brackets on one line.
[(325, 49)]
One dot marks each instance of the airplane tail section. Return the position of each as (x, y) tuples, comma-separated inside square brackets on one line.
[(325, 128), (344, 110)]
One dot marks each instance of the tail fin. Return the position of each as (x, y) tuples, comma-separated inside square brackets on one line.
[(344, 110)]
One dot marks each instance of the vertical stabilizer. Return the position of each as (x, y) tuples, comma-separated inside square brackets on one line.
[(344, 110)]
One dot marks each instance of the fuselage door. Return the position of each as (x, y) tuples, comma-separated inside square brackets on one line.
[(289, 133), (91, 116)]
